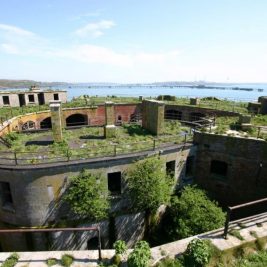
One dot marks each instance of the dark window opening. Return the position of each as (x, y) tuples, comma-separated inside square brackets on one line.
[(76, 120), (189, 167), (21, 100), (170, 168), (46, 123), (6, 100), (31, 98), (119, 120), (195, 116), (92, 244), (56, 97), (173, 114), (218, 168), (114, 183), (41, 99), (136, 117), (6, 196), (29, 125)]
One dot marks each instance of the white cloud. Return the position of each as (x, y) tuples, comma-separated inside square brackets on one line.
[(15, 40), (15, 30), (95, 29), (10, 48)]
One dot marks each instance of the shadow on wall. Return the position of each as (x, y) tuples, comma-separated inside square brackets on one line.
[(129, 227)]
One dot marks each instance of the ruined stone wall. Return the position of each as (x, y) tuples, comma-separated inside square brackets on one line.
[(37, 190), (246, 176), (153, 116), (127, 111), (62, 95), (13, 100), (186, 111)]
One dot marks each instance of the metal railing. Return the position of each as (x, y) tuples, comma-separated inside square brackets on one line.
[(111, 150), (231, 209), (41, 230)]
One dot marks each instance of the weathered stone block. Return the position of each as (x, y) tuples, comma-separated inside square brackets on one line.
[(194, 101), (244, 119), (263, 101), (110, 114), (110, 131), (153, 116), (55, 108), (254, 107)]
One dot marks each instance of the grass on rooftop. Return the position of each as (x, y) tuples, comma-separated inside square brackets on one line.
[(89, 141)]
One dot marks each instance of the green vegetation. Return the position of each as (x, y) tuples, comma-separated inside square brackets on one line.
[(193, 213), (236, 234), (224, 124), (120, 247), (168, 262), (51, 261), (198, 253), (253, 260), (11, 261), (214, 103), (87, 142), (140, 256), (66, 260), (147, 184), (87, 196)]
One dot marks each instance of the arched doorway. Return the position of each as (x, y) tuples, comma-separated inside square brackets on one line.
[(46, 123), (76, 120)]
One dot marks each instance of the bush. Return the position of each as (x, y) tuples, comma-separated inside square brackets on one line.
[(193, 213), (147, 184), (140, 256), (198, 253), (120, 247), (11, 261), (168, 262), (51, 261), (88, 195), (66, 260)]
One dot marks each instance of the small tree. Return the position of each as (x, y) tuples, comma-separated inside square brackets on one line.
[(193, 213), (140, 256), (198, 253), (87, 196), (147, 184)]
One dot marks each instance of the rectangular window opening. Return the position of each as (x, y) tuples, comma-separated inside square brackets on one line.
[(56, 97), (189, 167), (6, 100), (6, 196), (219, 168), (114, 183), (31, 98), (170, 168)]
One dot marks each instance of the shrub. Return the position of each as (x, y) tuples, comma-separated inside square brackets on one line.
[(11, 261), (51, 261), (120, 247), (168, 262), (66, 260), (147, 184), (198, 253), (140, 256), (193, 213), (88, 196)]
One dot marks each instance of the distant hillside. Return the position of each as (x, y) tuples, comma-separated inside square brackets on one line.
[(4, 83)]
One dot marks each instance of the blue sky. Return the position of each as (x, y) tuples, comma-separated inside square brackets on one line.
[(134, 41)]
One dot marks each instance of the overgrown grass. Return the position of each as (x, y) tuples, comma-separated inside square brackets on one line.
[(89, 142)]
